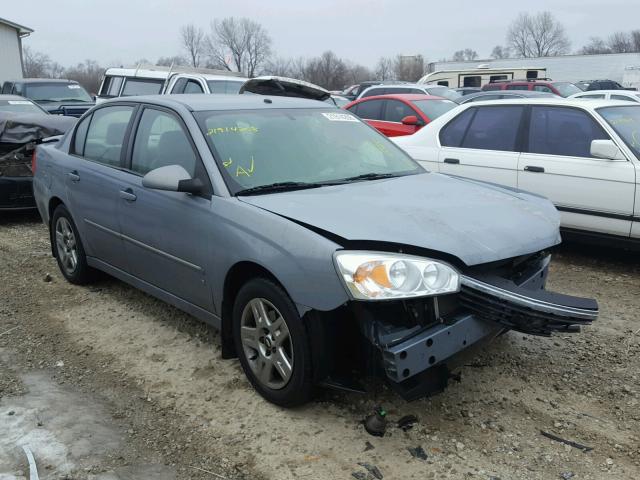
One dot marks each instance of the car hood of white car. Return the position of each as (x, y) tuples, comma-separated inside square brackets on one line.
[(475, 222)]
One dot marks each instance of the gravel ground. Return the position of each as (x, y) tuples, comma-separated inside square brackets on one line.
[(171, 408)]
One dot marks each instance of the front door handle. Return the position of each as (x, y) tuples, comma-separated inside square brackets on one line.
[(453, 161), (73, 176), (128, 195), (531, 168)]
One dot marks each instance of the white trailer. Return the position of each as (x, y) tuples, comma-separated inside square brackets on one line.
[(481, 75), (572, 68)]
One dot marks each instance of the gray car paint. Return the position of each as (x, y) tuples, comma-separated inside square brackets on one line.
[(475, 223)]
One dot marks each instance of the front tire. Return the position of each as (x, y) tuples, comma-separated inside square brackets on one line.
[(272, 343), (70, 255)]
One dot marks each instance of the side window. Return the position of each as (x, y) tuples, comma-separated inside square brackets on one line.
[(517, 87), (482, 98), (193, 87), (542, 88), (594, 95), (373, 92), (371, 110), (492, 86), (161, 141), (106, 134), (495, 78), (532, 74), (141, 86), (6, 88), (563, 131), (400, 90), (444, 83), (111, 86), (178, 87), (472, 81), (622, 97), (494, 128), (396, 111), (81, 136), (453, 132), (17, 89)]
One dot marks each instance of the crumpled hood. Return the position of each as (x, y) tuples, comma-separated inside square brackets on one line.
[(475, 222)]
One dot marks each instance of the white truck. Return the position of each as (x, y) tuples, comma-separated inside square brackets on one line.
[(154, 80)]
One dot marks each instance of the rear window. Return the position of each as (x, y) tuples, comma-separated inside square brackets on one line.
[(224, 86), (434, 108), (142, 86), (373, 92), (444, 92), (565, 88)]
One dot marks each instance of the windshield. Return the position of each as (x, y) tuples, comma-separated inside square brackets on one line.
[(224, 86), (56, 92), (566, 88), (254, 148), (20, 106), (444, 92), (626, 122), (434, 108)]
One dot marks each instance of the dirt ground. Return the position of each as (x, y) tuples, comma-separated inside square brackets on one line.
[(107, 383)]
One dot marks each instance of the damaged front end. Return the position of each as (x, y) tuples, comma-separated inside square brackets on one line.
[(415, 338)]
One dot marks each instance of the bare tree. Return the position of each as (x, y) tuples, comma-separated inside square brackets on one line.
[(537, 35), (500, 52), (238, 44), (176, 60), (635, 38), (88, 74), (384, 69), (620, 42), (192, 39), (466, 54), (327, 70), (595, 46), (409, 68), (355, 73), (279, 66), (35, 64)]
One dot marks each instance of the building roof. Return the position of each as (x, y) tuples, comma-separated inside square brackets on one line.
[(22, 30)]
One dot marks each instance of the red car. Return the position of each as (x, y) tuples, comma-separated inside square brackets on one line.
[(563, 89), (400, 114)]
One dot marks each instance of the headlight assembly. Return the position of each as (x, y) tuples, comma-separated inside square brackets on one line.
[(384, 276)]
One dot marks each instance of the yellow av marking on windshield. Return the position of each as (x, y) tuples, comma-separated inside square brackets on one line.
[(242, 171), (219, 130), (227, 163)]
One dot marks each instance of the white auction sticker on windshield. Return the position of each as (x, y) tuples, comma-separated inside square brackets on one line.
[(73, 87), (19, 102), (340, 117)]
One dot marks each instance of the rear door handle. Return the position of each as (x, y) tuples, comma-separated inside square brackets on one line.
[(531, 168), (128, 195), (453, 161), (73, 176)]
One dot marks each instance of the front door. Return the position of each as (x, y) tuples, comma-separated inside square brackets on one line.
[(93, 181), (167, 235), (394, 112), (482, 143), (591, 193)]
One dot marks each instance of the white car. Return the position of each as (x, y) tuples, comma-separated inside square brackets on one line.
[(626, 95), (584, 156), (436, 90)]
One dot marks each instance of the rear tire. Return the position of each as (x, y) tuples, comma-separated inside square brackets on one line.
[(272, 343), (67, 244)]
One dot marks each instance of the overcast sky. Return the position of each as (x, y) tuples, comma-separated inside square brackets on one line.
[(123, 31)]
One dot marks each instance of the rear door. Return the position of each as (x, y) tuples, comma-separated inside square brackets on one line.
[(591, 193), (93, 181), (483, 143)]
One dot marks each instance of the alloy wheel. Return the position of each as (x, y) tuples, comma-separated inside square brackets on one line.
[(66, 245), (266, 342)]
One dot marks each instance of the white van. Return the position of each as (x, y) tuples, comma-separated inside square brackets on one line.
[(477, 77)]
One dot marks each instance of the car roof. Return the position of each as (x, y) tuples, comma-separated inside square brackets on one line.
[(14, 97), (569, 102), (43, 80), (404, 96), (198, 102), (613, 91)]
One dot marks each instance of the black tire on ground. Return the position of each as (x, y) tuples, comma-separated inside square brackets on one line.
[(299, 387), (82, 274)]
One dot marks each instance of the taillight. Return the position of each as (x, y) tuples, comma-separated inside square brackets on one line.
[(33, 161)]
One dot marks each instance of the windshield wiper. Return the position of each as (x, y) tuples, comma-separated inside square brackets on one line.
[(279, 187), (367, 176)]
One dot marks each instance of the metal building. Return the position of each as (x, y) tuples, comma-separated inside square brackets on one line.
[(11, 35), (571, 68)]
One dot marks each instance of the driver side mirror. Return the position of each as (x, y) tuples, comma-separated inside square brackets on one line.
[(410, 120), (606, 149), (172, 178)]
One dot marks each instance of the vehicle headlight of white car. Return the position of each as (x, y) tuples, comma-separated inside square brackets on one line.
[(386, 276)]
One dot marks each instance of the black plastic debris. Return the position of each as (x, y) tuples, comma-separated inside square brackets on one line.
[(359, 475), (406, 423), (372, 469), (571, 443), (376, 424), (368, 446), (418, 452)]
